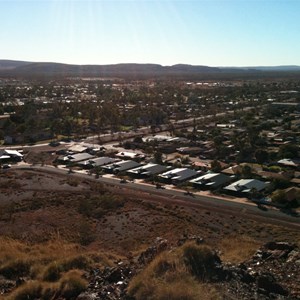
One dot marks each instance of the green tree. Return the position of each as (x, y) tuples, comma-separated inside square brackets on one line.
[(158, 157), (246, 171), (261, 156), (215, 166), (288, 151), (279, 197)]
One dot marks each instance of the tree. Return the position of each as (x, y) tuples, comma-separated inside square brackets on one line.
[(288, 151), (278, 197), (261, 156), (215, 166), (158, 157), (246, 171)]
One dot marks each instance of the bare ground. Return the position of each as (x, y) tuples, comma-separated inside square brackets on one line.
[(36, 207)]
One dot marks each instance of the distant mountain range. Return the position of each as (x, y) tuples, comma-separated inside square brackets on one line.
[(12, 67)]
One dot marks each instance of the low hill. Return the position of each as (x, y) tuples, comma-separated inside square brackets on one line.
[(6, 64), (25, 69)]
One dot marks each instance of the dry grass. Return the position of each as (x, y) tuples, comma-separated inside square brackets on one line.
[(169, 278), (236, 249), (69, 287), (54, 267)]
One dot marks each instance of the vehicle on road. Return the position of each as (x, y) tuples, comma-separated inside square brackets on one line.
[(159, 186), (6, 166), (123, 181), (188, 193), (262, 207), (54, 143)]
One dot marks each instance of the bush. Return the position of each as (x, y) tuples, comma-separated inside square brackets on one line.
[(53, 271), (184, 290), (29, 291), (72, 284), (15, 268), (73, 182), (200, 260), (81, 262), (236, 249), (86, 235), (167, 277), (98, 206)]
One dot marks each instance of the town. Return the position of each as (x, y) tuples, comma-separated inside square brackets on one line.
[(236, 139)]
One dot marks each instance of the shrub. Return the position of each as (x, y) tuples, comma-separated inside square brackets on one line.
[(185, 290), (171, 276), (200, 260), (29, 291), (77, 262), (49, 291), (86, 235), (53, 272), (15, 268), (236, 249), (72, 284), (98, 206), (180, 287), (72, 182)]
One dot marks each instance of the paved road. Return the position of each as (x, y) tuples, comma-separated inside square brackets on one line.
[(210, 203), (109, 137)]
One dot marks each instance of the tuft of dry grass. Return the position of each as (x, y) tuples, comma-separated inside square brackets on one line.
[(72, 284), (68, 287), (53, 268), (29, 291), (168, 277), (236, 249)]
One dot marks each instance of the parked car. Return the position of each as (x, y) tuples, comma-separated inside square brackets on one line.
[(6, 166), (54, 144)]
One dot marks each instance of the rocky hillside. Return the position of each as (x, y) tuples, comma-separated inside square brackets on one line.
[(272, 273)]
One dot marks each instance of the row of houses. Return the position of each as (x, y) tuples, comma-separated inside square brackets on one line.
[(166, 174)]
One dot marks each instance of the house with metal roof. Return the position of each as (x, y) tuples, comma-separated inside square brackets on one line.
[(97, 162), (77, 148), (287, 162), (147, 170), (121, 166), (7, 154), (130, 155), (178, 175), (211, 180), (75, 158), (245, 186)]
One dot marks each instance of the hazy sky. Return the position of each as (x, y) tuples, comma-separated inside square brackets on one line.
[(199, 32)]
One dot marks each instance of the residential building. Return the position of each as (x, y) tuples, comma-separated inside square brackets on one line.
[(246, 186), (121, 166), (147, 170), (211, 181), (178, 175)]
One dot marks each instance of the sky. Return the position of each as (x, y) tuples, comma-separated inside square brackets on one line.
[(166, 32)]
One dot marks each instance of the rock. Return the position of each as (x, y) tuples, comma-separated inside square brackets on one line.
[(20, 281), (199, 240), (114, 276), (150, 253), (246, 277), (267, 283), (293, 256), (279, 246), (87, 296)]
